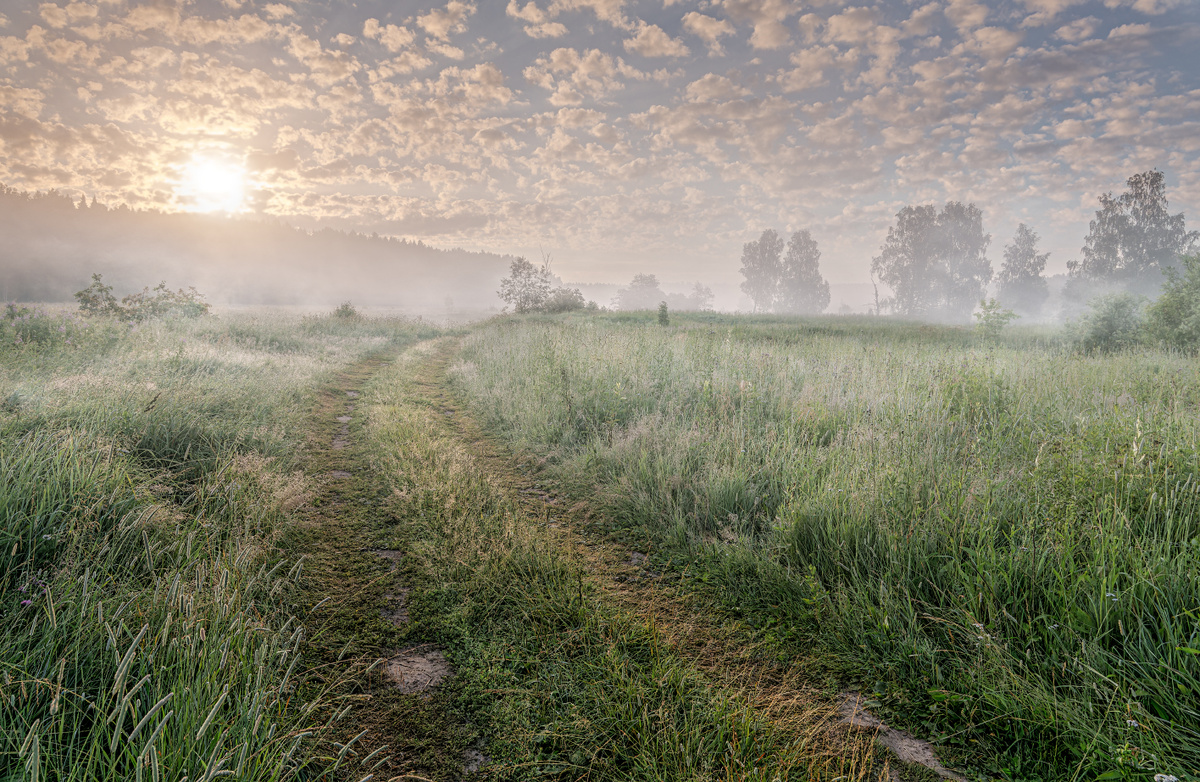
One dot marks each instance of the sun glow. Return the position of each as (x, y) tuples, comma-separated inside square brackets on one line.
[(211, 183)]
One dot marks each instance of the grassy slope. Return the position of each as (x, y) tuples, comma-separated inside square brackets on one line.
[(998, 542)]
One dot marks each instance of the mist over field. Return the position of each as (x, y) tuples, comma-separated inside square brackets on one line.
[(52, 248)]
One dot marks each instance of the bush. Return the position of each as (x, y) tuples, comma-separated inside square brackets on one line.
[(1114, 322), (992, 318), (21, 326), (345, 310), (1175, 318), (664, 319), (563, 300), (98, 299)]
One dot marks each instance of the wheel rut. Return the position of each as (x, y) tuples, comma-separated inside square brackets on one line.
[(356, 603), (724, 651)]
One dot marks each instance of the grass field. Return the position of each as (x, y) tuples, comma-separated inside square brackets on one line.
[(997, 543), (145, 630)]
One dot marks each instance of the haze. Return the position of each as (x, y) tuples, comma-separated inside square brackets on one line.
[(619, 136)]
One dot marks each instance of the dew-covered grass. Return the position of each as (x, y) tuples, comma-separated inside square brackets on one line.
[(1000, 543), (145, 627)]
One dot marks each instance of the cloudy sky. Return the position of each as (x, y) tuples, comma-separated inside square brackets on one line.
[(617, 135)]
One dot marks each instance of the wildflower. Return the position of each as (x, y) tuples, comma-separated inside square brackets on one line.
[(1165, 778), (26, 602), (1132, 723)]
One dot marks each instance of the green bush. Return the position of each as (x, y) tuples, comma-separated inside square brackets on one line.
[(160, 301), (345, 310), (22, 326), (1174, 319), (1114, 322), (992, 318), (563, 300)]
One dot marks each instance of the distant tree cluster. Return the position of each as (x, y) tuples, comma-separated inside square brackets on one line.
[(645, 292), (935, 261), (784, 281), (936, 264), (529, 288)]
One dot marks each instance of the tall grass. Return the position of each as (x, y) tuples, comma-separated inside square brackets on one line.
[(1001, 541), (144, 625), (568, 687)]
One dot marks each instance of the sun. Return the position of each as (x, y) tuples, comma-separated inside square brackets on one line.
[(212, 183)]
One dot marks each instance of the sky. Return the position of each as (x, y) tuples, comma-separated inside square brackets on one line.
[(616, 136)]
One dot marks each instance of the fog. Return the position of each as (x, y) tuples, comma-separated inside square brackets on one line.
[(53, 247)]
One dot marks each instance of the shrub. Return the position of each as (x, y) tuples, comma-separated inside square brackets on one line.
[(1175, 318), (664, 319), (161, 301), (1114, 322), (992, 318), (21, 326), (345, 310), (98, 299), (563, 300)]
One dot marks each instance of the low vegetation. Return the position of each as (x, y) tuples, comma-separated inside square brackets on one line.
[(1008, 565), (145, 625), (1005, 565)]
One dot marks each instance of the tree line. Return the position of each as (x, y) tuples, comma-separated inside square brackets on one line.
[(935, 260)]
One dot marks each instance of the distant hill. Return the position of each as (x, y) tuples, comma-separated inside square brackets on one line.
[(52, 245)]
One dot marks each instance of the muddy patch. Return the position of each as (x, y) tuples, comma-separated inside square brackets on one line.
[(343, 419), (906, 747), (474, 757), (339, 474), (418, 669), (396, 610), (392, 555), (352, 394)]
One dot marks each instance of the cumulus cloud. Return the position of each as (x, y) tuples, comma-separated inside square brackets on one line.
[(767, 18), (707, 28), (651, 41), (393, 37), (538, 21), (1078, 30), (441, 23)]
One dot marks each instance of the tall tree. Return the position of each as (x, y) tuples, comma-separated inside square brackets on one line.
[(1133, 237), (760, 267), (801, 287), (527, 286), (1022, 285), (935, 262)]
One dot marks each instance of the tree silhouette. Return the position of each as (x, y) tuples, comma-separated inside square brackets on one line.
[(1022, 285), (801, 287), (935, 262), (643, 293), (1133, 237), (526, 287), (760, 267)]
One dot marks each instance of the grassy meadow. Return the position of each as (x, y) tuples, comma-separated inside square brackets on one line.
[(147, 470), (999, 543)]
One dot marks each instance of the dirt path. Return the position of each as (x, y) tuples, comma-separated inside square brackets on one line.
[(356, 593), (355, 600)]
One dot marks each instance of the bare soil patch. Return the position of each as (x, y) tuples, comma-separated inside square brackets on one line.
[(418, 669)]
